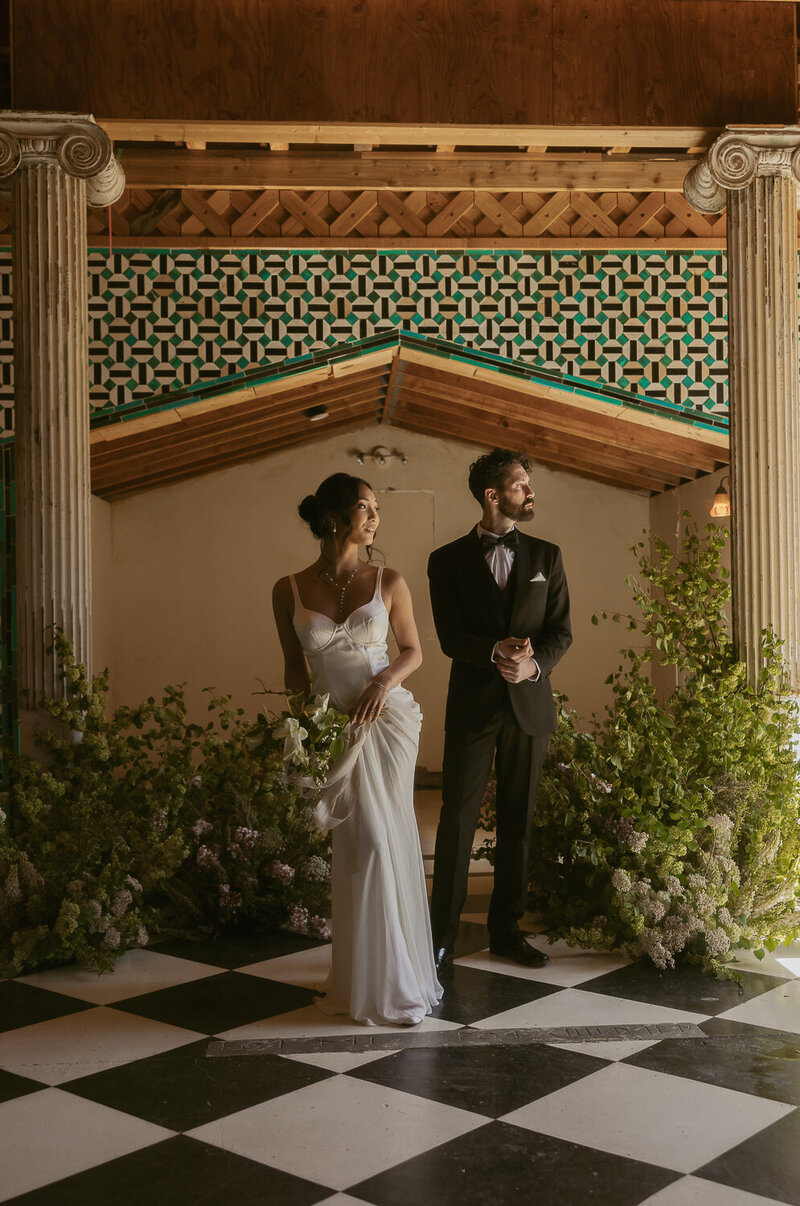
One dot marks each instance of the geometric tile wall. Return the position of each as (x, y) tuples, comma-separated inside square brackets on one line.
[(654, 322)]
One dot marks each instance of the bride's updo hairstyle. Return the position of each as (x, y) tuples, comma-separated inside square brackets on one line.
[(337, 495)]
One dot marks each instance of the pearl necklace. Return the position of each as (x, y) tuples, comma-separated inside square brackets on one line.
[(328, 577)]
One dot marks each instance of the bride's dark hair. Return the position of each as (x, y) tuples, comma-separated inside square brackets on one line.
[(329, 506)]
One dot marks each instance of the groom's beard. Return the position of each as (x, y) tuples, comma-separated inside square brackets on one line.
[(518, 512)]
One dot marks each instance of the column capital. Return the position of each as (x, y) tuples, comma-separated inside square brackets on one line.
[(736, 158), (73, 141)]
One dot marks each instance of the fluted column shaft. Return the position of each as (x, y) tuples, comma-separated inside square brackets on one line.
[(765, 417), (756, 174), (51, 367), (56, 163)]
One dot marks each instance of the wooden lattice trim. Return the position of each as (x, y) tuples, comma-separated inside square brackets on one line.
[(274, 216)]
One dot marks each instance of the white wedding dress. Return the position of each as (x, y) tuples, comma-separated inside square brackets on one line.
[(382, 967)]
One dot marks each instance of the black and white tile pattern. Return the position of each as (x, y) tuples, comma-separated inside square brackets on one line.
[(107, 1093)]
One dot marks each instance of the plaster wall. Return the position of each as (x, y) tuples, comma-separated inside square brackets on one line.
[(183, 575)]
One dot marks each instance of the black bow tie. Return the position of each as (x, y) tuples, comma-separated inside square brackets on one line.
[(510, 540)]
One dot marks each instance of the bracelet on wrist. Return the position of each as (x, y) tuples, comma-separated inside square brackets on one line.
[(377, 683)]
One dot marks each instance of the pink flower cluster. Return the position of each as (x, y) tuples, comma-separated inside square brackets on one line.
[(206, 857), (282, 872), (319, 927), (298, 919)]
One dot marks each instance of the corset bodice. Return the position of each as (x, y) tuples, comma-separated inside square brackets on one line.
[(344, 657)]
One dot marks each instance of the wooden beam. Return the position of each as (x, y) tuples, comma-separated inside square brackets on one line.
[(491, 436), (117, 488), (687, 452), (541, 437), (193, 434), (280, 134), (623, 414), (170, 450), (246, 168)]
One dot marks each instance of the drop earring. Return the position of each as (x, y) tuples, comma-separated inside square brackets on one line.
[(333, 528)]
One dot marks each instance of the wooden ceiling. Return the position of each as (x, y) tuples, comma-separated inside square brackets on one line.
[(403, 385)]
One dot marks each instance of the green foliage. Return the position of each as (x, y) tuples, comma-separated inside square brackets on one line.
[(671, 827), (137, 822)]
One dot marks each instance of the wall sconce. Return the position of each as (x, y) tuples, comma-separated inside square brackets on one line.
[(381, 456), (721, 506)]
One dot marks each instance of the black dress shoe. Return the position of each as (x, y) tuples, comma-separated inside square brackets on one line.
[(514, 946), (442, 958)]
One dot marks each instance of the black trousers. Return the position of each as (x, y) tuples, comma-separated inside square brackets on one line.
[(518, 760)]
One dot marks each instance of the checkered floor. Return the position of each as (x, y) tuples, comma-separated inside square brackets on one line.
[(107, 1095)]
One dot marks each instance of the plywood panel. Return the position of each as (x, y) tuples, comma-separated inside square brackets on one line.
[(192, 58), (657, 61), (499, 62), (460, 60)]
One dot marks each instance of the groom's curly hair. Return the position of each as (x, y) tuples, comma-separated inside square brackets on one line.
[(491, 470)]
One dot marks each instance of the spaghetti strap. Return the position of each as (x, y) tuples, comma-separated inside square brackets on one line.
[(377, 594), (295, 592)]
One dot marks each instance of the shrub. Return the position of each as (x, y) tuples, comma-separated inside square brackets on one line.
[(137, 822), (671, 828)]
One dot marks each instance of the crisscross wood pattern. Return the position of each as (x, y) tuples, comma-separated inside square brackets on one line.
[(379, 217)]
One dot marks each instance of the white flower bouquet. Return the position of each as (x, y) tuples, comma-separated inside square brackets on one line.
[(314, 735)]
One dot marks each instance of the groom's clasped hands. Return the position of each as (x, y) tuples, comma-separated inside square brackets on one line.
[(514, 659)]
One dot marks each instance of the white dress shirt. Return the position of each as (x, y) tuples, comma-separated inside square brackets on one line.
[(500, 559)]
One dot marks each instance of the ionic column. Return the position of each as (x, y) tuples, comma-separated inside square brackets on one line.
[(755, 172), (57, 163)]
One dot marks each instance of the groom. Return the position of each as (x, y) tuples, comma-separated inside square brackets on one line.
[(501, 609)]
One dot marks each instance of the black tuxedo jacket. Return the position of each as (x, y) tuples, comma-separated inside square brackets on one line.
[(471, 614)]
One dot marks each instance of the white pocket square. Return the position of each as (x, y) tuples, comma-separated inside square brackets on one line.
[(538, 577)]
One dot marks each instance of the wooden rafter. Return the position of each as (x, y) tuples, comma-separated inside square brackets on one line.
[(245, 167), (407, 388), (284, 134)]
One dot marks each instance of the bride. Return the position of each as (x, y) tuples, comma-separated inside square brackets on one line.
[(334, 617)]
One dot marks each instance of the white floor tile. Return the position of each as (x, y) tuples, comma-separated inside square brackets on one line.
[(567, 966), (49, 1135), (783, 961), (612, 1050), (778, 1009), (693, 1191), (308, 969), (86, 1042), (310, 1022), (339, 1061), (342, 1199), (664, 1120), (134, 974), (572, 1007), (339, 1131)]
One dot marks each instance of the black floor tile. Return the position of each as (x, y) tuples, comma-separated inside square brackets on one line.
[(758, 1063), (24, 1005), (472, 937), (728, 1027), (767, 1163), (12, 1086), (485, 1080), (683, 988), (500, 1164), (178, 1172), (238, 949), (184, 1088), (471, 994), (219, 1002)]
